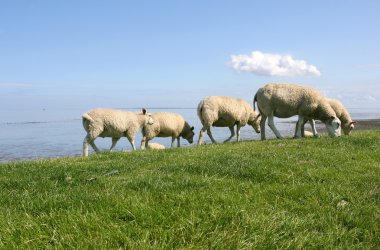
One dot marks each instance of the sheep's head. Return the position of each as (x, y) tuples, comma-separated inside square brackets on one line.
[(254, 120), (188, 134), (148, 117), (333, 126), (347, 127)]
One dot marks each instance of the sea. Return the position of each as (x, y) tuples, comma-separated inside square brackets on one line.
[(35, 134)]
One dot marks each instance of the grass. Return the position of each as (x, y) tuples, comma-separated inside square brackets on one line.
[(290, 193)]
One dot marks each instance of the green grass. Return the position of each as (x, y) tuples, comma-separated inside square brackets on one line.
[(290, 193)]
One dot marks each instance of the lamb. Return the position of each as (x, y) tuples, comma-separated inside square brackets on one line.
[(112, 123), (221, 111), (155, 146), (341, 113), (308, 134), (286, 100), (167, 125)]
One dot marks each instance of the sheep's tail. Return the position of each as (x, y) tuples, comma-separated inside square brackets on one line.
[(254, 102), (86, 117), (200, 110)]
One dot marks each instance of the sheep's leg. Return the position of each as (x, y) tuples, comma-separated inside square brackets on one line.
[(114, 141), (302, 129), (143, 143), (262, 126), (173, 139), (89, 140), (299, 126), (232, 133), (178, 142), (201, 132), (238, 132), (85, 147), (131, 140), (210, 135), (273, 127), (315, 132)]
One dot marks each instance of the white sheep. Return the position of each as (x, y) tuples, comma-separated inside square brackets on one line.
[(112, 123), (308, 134), (154, 146), (221, 111), (341, 112), (167, 125), (286, 100)]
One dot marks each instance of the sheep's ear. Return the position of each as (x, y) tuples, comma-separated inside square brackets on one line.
[(353, 122), (192, 128), (143, 111)]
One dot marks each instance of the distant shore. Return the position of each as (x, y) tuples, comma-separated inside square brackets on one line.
[(361, 124), (367, 124)]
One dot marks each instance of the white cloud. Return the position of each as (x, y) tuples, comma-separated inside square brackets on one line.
[(272, 65)]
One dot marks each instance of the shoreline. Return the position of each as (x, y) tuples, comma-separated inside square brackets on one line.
[(40, 153), (361, 124), (367, 124)]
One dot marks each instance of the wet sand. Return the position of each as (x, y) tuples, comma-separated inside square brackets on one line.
[(367, 124), (361, 124)]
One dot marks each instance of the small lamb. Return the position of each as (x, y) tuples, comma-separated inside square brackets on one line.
[(221, 111), (167, 125), (155, 146), (286, 100), (112, 123)]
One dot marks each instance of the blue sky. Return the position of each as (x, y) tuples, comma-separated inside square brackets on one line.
[(86, 54)]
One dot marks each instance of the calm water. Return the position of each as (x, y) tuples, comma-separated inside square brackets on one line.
[(59, 133)]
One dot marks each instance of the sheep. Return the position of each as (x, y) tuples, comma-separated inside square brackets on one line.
[(341, 113), (308, 134), (222, 111), (167, 125), (112, 123), (285, 100), (154, 146)]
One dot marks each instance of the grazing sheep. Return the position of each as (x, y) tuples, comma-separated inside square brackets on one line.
[(221, 111), (342, 114), (112, 123), (167, 125), (286, 100), (154, 146)]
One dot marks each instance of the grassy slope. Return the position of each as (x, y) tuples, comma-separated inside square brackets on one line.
[(279, 193)]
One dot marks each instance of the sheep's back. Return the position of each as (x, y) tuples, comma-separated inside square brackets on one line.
[(169, 123), (113, 119), (340, 111), (224, 107), (286, 100)]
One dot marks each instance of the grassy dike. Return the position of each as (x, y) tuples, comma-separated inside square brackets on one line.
[(290, 193)]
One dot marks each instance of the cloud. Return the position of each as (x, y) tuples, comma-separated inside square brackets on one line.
[(272, 65)]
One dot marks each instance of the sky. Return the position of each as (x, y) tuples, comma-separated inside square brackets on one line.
[(128, 54)]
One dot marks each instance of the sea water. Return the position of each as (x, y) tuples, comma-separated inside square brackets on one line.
[(47, 133)]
